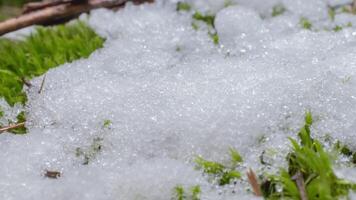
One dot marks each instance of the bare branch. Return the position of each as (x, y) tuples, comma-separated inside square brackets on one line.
[(59, 12)]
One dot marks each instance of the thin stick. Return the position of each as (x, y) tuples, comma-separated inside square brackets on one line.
[(33, 6), (7, 128), (59, 12), (298, 177), (42, 84), (252, 179)]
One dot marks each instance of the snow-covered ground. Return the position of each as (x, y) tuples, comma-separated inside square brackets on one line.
[(166, 94)]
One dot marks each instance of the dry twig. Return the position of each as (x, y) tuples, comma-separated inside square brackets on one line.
[(49, 13), (42, 84), (252, 179), (298, 177), (13, 126)]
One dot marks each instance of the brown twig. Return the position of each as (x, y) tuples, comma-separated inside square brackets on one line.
[(33, 6), (353, 5), (252, 179), (59, 12), (42, 84), (13, 126), (298, 177)]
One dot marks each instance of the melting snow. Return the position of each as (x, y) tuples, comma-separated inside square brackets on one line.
[(169, 94)]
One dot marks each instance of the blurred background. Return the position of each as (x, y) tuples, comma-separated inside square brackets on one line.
[(11, 8)]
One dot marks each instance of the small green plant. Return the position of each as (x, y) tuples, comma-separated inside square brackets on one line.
[(89, 153), (313, 163), (215, 38), (107, 123), (180, 194), (345, 151), (337, 28), (332, 14), (1, 112), (222, 173), (183, 6), (305, 23), (208, 19), (278, 9)]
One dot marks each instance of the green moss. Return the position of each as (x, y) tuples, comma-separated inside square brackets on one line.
[(224, 174), (332, 14), (20, 130), (278, 9), (208, 19), (305, 23), (183, 6), (181, 194), (45, 49), (107, 123), (311, 160), (337, 28)]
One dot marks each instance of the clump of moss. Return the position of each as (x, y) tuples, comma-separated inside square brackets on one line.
[(45, 49), (181, 194), (223, 174), (305, 23), (278, 9), (183, 6), (313, 166)]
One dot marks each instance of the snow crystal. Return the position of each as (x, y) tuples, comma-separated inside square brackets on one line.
[(127, 122)]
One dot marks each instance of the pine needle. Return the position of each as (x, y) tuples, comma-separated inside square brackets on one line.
[(252, 179)]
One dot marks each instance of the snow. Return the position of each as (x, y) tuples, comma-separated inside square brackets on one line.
[(171, 94)]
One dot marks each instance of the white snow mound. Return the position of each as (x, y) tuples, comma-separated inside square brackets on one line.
[(167, 94)]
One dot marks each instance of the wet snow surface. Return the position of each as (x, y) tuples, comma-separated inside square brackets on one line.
[(166, 93)]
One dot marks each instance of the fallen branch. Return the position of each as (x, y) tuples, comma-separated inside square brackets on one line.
[(13, 126), (47, 13), (252, 179)]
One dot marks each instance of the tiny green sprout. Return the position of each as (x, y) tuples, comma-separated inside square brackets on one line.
[(223, 174), (215, 38), (346, 79), (305, 23), (228, 3), (209, 167), (107, 123), (192, 194), (278, 9), (331, 13), (183, 6), (208, 19), (308, 118), (235, 157), (337, 28), (196, 191), (349, 24), (195, 26), (1, 112), (179, 192), (178, 48)]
